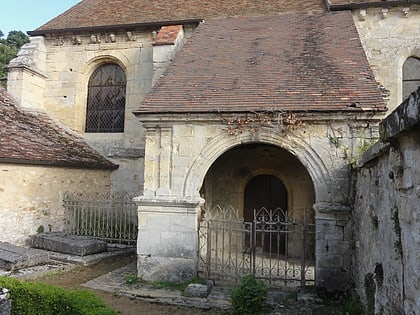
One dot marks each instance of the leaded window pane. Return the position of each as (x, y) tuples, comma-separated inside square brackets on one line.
[(106, 99), (411, 76)]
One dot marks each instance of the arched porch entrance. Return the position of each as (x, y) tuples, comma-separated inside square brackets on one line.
[(258, 213)]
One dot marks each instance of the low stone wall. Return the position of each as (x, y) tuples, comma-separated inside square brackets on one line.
[(386, 216), (31, 197)]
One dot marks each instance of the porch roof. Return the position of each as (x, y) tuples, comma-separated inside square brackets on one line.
[(30, 137), (296, 61), (129, 13)]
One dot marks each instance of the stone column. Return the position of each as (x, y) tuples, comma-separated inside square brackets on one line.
[(167, 245), (332, 245)]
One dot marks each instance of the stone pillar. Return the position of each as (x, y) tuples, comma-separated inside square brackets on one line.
[(167, 245), (332, 245)]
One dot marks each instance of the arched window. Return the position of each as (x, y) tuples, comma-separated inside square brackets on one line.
[(411, 76), (106, 99)]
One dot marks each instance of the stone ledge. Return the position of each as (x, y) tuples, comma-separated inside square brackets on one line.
[(405, 118)]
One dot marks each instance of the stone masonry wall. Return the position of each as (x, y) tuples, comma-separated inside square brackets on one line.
[(52, 73), (179, 154), (389, 37), (36, 197), (386, 217)]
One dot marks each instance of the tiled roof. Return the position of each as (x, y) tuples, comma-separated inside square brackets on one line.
[(99, 13), (348, 4), (33, 138), (167, 35), (294, 61)]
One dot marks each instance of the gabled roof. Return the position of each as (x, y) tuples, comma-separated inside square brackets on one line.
[(31, 137), (353, 4), (293, 61), (106, 13)]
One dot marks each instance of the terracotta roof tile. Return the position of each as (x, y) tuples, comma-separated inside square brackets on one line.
[(294, 61), (99, 13), (33, 138), (167, 35)]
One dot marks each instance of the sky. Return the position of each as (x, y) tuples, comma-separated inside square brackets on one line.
[(27, 15)]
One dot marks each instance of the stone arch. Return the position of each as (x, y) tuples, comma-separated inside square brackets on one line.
[(85, 75), (272, 172), (224, 142)]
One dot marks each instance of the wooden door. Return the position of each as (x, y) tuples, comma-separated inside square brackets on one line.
[(269, 192)]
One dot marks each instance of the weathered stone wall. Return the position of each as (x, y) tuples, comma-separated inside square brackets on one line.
[(52, 73), (36, 197), (389, 36), (180, 153), (386, 220)]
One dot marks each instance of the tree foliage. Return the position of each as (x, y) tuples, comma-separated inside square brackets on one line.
[(9, 48)]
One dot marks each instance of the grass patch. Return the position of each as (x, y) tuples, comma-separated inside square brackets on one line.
[(134, 280), (30, 298)]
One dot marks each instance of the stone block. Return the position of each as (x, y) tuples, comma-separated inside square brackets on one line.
[(5, 302), (168, 269), (14, 257), (330, 261), (68, 244), (197, 290), (332, 279)]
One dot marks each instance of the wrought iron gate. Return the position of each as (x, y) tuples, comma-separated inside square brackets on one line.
[(277, 246)]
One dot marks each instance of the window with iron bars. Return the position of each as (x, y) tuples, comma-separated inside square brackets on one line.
[(411, 76), (106, 99)]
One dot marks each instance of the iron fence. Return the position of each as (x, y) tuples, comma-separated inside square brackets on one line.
[(111, 217), (277, 246)]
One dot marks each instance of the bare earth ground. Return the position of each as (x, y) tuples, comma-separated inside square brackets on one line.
[(125, 305), (73, 279)]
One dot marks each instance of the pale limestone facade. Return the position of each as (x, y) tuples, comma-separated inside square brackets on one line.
[(35, 198), (170, 159), (389, 36), (52, 73), (312, 160)]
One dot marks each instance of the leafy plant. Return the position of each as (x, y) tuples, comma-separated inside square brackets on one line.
[(370, 290), (30, 298), (9, 48), (352, 305), (249, 298)]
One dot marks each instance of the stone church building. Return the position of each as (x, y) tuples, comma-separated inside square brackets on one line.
[(216, 103)]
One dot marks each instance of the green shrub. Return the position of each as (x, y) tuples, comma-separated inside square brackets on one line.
[(249, 298), (352, 305), (30, 298)]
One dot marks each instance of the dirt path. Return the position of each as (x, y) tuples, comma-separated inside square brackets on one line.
[(123, 305)]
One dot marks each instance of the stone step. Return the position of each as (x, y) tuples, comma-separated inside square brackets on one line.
[(14, 257), (68, 244)]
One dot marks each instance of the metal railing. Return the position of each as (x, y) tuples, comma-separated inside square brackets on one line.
[(277, 246), (111, 217)]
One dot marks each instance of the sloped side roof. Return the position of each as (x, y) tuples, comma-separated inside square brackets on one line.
[(294, 61), (350, 4), (100, 13), (33, 138)]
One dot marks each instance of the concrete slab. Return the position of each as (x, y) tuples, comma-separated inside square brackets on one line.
[(14, 257), (68, 244)]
